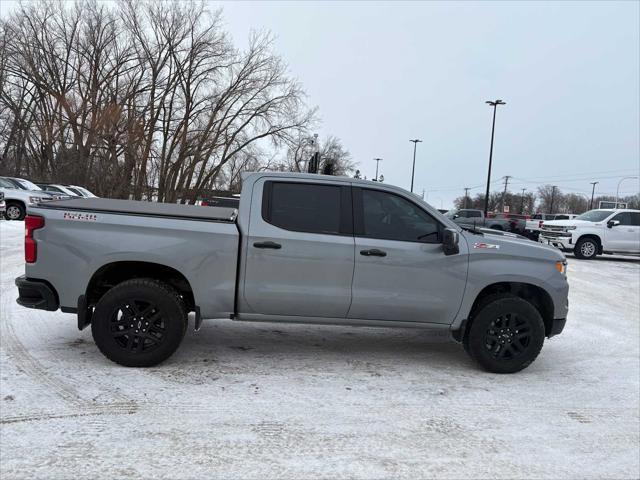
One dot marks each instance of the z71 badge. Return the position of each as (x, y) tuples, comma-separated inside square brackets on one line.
[(82, 217)]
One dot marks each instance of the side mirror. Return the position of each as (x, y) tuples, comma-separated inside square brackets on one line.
[(455, 216), (450, 239), (613, 223)]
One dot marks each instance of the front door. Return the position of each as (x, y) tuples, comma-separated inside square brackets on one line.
[(624, 237), (299, 249), (401, 272)]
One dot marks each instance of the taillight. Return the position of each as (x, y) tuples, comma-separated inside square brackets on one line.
[(31, 223)]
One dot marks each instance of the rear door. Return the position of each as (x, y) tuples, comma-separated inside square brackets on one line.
[(401, 272), (299, 248)]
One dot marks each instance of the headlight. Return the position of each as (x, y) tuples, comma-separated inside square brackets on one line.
[(35, 199), (561, 266), (571, 228)]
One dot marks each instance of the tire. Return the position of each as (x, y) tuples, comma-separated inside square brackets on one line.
[(586, 248), (15, 211), (158, 319), (506, 335)]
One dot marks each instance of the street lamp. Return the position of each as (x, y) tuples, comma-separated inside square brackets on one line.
[(494, 104), (378, 160), (593, 190), (413, 170), (618, 189)]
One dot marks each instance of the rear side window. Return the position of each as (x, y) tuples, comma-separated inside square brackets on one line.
[(473, 214), (307, 207)]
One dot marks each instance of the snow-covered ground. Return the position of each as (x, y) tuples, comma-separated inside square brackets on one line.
[(286, 401)]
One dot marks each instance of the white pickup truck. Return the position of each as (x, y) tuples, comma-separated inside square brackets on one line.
[(595, 232)]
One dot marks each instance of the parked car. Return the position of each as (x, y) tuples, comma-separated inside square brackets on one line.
[(595, 232), (81, 191), (3, 205), (301, 248), (24, 184), (229, 202), (59, 189), (18, 199), (534, 224), (475, 218)]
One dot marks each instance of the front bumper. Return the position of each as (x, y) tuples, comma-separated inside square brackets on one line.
[(34, 293), (563, 242)]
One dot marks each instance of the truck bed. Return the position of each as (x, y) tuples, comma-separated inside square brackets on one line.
[(153, 209)]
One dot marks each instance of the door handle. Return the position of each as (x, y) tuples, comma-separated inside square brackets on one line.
[(374, 252), (269, 244)]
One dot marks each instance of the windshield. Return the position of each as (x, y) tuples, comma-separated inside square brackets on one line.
[(594, 215), (27, 184)]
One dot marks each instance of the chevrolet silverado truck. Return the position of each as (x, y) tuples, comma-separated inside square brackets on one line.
[(595, 232), (300, 248), (18, 199)]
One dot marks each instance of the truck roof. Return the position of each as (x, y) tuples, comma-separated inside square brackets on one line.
[(136, 207)]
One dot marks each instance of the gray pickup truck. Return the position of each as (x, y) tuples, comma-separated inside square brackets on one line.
[(300, 248)]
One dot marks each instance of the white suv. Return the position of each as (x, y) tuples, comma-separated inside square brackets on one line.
[(595, 232)]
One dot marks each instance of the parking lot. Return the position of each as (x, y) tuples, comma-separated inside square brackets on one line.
[(287, 401)]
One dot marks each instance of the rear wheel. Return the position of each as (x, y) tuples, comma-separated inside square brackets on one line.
[(586, 248), (139, 323), (506, 335), (15, 211)]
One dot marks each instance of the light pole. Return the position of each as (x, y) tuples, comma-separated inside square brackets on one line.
[(466, 196), (618, 189), (553, 194), (494, 104), (522, 201), (378, 160), (593, 190), (413, 170)]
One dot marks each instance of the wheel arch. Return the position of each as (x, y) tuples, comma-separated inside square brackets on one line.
[(595, 237), (533, 294), (111, 274)]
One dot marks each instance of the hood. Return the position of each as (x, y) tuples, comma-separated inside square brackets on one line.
[(568, 223), (515, 246)]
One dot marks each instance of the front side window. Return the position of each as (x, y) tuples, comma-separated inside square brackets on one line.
[(474, 214), (391, 217), (628, 218), (303, 207)]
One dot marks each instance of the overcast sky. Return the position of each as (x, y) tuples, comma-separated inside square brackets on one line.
[(382, 73)]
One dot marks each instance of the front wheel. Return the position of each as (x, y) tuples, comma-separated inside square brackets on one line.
[(139, 322), (15, 211), (586, 249), (506, 335)]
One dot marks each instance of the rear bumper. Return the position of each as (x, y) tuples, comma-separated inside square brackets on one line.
[(34, 293)]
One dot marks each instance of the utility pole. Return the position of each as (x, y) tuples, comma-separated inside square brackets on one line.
[(593, 190), (493, 128), (506, 182), (553, 194), (413, 170), (522, 201), (466, 196), (378, 160)]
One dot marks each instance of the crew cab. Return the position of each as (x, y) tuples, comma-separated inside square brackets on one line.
[(300, 248), (469, 217), (595, 232)]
